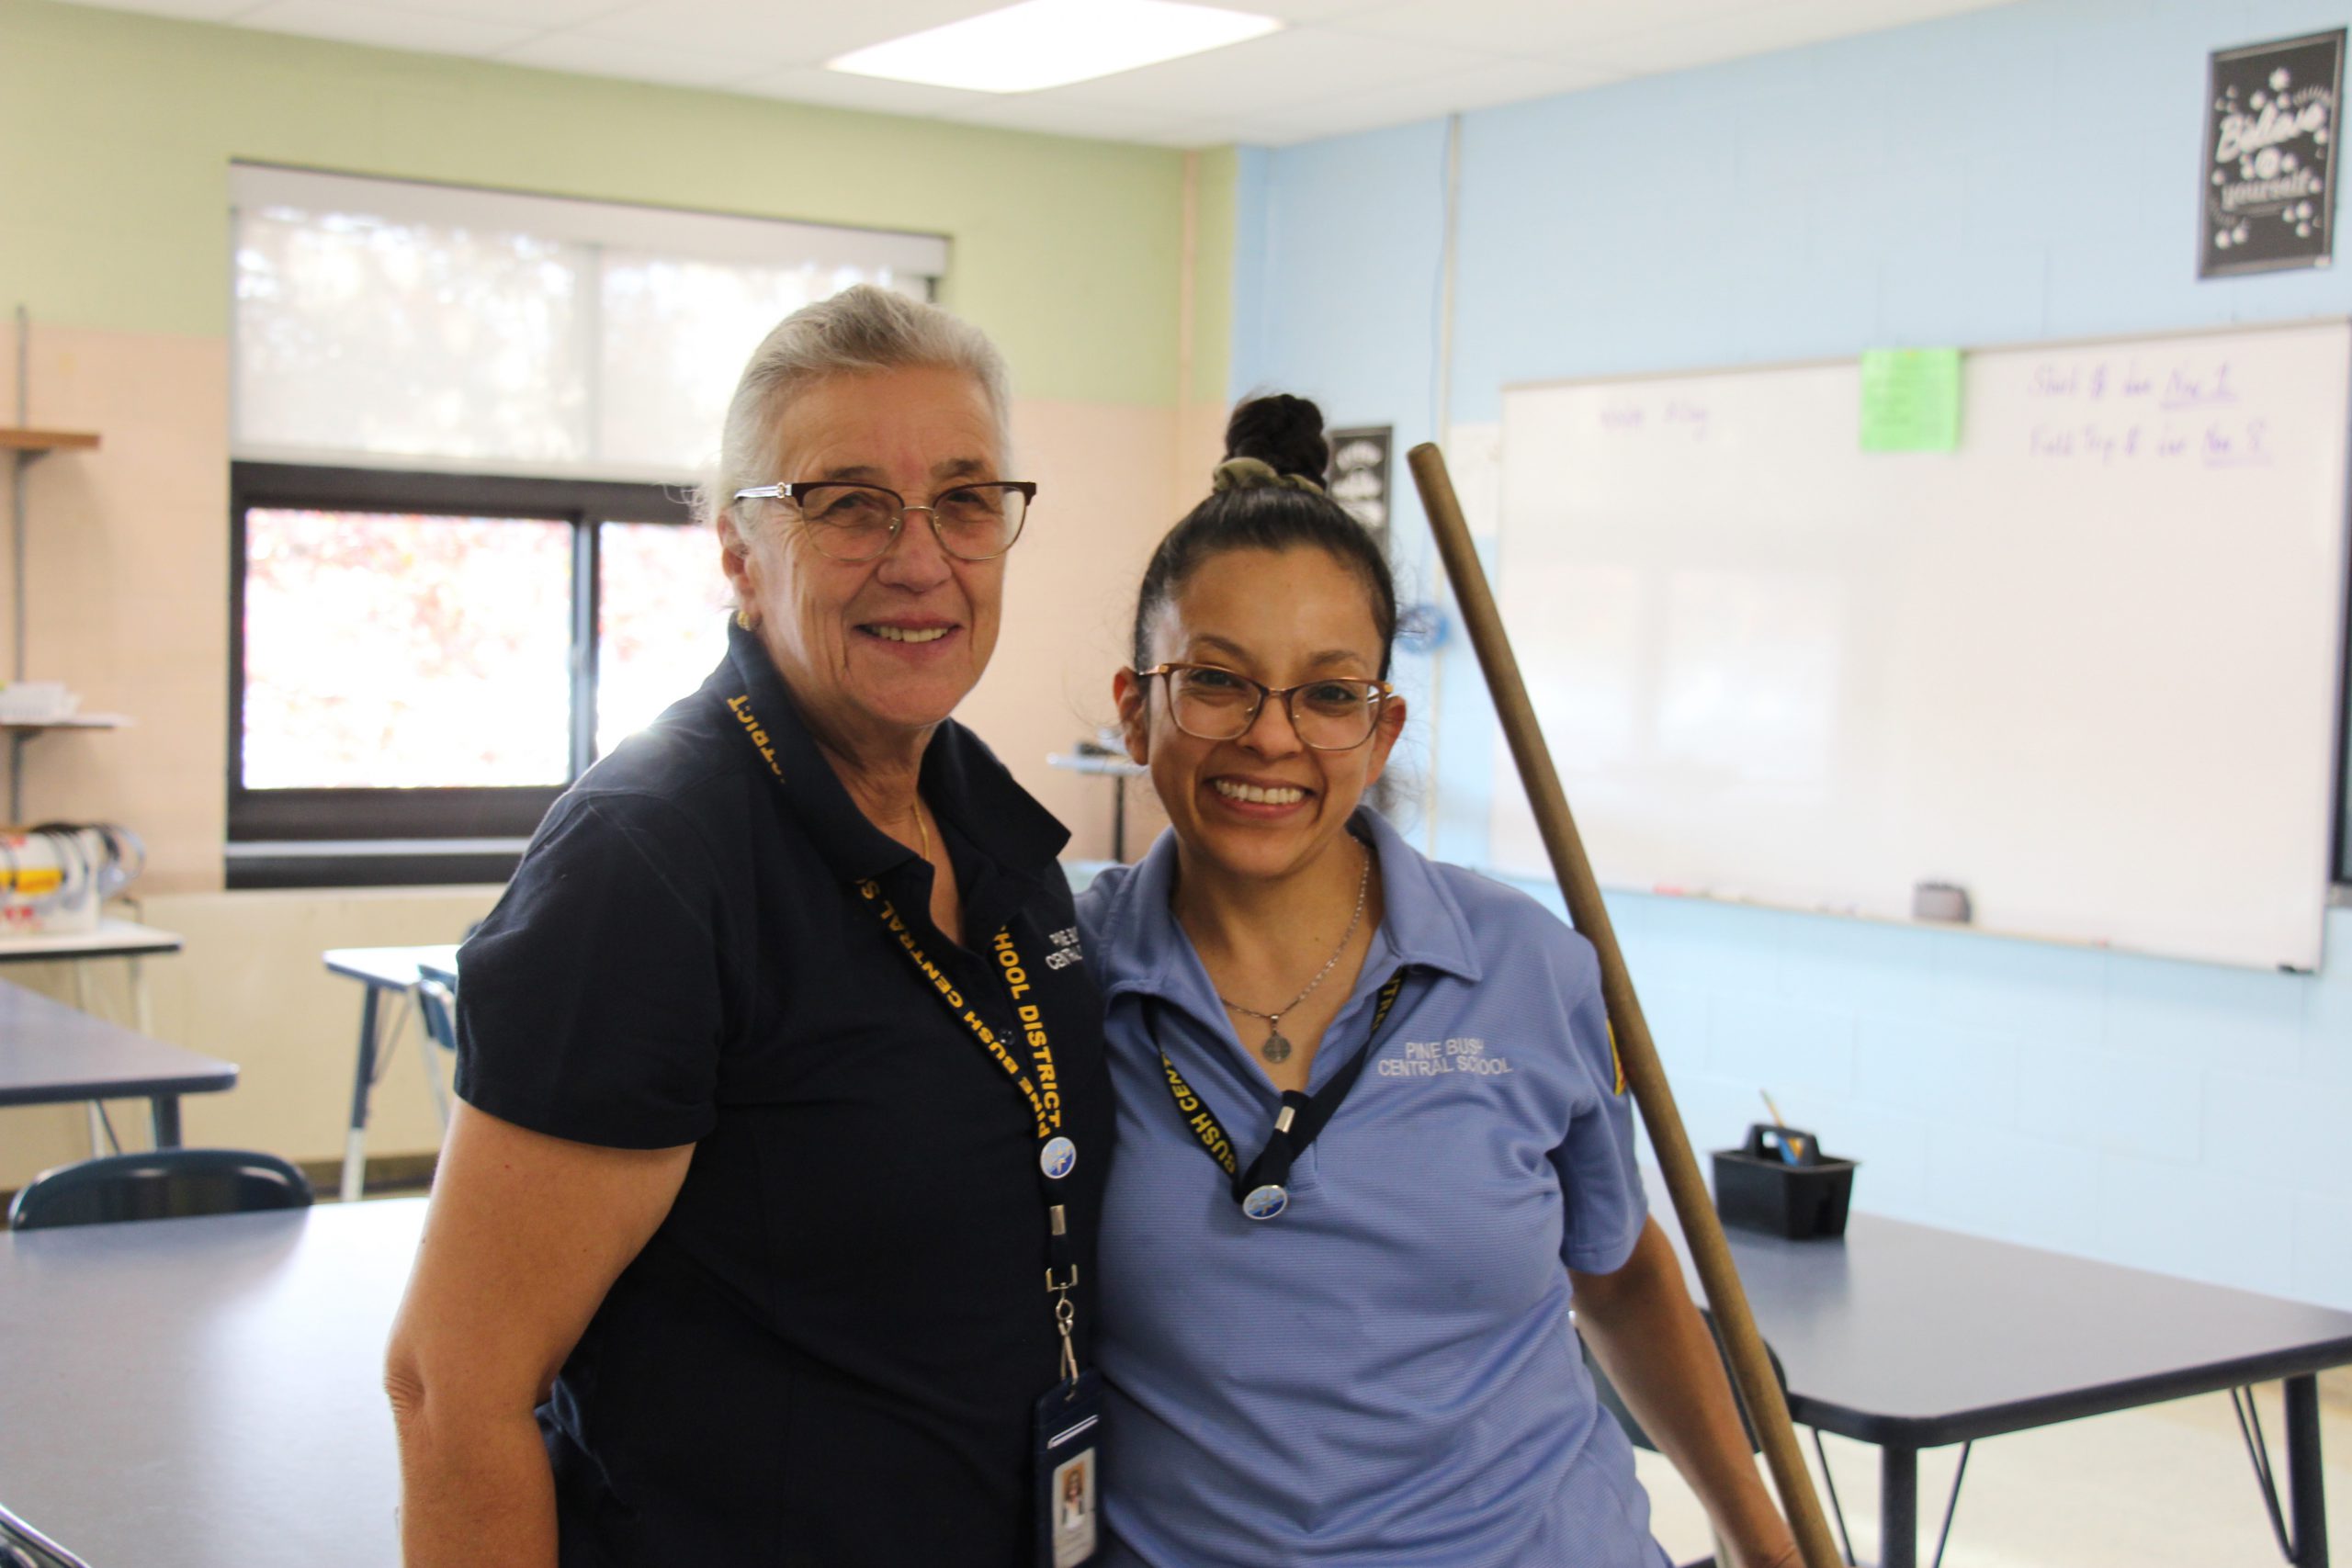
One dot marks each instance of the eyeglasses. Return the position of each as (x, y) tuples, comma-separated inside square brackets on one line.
[(1334, 713), (853, 522)]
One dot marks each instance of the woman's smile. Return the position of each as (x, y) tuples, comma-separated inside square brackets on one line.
[(1257, 798), (912, 634)]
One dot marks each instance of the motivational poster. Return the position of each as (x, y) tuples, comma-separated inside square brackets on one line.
[(1359, 479), (2269, 176)]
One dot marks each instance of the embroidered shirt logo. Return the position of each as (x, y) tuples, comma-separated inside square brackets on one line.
[(1432, 1058), (1066, 949)]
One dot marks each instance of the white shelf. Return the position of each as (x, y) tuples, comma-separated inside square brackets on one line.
[(113, 939), (78, 721)]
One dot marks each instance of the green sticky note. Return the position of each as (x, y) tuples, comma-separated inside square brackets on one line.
[(1910, 400)]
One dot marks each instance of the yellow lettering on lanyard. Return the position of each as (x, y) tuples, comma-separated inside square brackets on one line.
[(741, 707), (1198, 1117), (1016, 978), (1033, 1021), (1042, 1092)]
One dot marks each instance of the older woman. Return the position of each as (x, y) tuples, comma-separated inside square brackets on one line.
[(764, 1232)]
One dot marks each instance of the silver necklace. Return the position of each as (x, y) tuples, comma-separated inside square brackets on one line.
[(1277, 1048)]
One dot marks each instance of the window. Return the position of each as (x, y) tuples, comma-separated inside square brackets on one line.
[(388, 650), (379, 322), (424, 661), (465, 424)]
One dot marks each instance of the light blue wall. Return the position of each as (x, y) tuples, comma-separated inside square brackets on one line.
[(2023, 172)]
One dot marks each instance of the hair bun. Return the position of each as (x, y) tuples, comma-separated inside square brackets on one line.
[(1283, 432)]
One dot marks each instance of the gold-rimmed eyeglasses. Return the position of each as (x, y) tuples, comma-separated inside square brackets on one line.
[(859, 522), (1337, 713)]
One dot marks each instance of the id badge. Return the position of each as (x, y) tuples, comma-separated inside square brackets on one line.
[(1068, 1463)]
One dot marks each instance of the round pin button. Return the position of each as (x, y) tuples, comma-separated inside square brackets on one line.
[(1265, 1202), (1057, 1158)]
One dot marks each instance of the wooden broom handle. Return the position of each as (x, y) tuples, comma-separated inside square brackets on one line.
[(1751, 1368)]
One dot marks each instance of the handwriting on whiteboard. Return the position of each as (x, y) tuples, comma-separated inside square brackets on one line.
[(2131, 410), (1676, 417), (2214, 443)]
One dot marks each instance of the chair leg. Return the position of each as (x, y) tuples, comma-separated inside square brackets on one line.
[(428, 1058), (99, 1129)]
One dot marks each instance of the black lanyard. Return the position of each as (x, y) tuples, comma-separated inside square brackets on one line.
[(1039, 1084), (1262, 1190), (1036, 1078)]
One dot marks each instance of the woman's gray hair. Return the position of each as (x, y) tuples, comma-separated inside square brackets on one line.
[(858, 332)]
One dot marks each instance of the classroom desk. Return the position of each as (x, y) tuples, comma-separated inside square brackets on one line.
[(1912, 1338), (232, 1365), (126, 940), (51, 1053), (206, 1392), (381, 972)]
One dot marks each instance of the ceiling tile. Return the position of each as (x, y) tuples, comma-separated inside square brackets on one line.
[(388, 26), (1482, 88), (1534, 27), (1302, 10), (584, 55), (1789, 24), (837, 89), (1297, 66), (544, 15), (766, 33), (1341, 65), (186, 10)]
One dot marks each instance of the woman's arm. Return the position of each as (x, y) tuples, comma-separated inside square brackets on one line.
[(1656, 1348), (524, 1236)]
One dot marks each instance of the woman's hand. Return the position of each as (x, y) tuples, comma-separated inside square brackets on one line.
[(524, 1236), (1656, 1348)]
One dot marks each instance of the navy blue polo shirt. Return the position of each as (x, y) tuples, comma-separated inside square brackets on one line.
[(829, 1351)]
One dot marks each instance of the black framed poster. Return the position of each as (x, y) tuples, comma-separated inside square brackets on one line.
[(1359, 479), (2270, 176)]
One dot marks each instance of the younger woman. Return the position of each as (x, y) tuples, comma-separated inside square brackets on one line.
[(1372, 1136)]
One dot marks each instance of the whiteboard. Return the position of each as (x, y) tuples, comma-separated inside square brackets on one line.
[(2086, 667)]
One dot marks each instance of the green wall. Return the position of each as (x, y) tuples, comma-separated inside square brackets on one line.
[(116, 132), (1216, 234)]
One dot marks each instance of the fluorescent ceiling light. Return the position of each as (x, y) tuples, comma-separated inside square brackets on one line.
[(1051, 43)]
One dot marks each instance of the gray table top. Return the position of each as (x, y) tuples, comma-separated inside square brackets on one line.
[(209, 1393), (51, 1053), (1907, 1334), (232, 1365)]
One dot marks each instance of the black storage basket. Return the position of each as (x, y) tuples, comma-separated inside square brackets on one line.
[(1781, 1184)]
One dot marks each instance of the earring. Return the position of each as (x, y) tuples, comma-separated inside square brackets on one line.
[(743, 619)]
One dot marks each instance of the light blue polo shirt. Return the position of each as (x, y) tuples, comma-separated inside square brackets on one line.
[(1385, 1372)]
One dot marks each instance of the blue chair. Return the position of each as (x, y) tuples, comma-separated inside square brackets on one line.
[(160, 1185)]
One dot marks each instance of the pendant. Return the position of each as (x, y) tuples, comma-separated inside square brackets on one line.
[(1277, 1048)]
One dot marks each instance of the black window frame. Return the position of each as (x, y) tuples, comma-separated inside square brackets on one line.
[(374, 837)]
